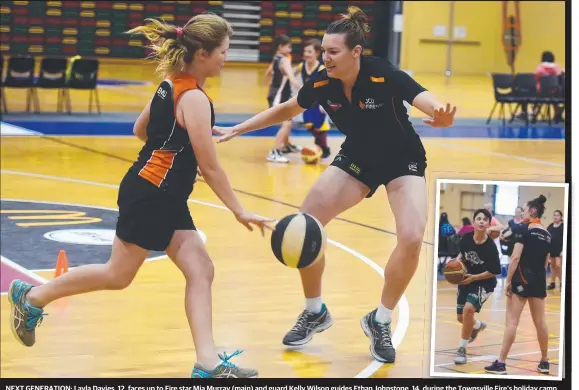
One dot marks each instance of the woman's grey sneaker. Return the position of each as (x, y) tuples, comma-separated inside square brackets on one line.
[(380, 336), (24, 318), (307, 325), (225, 369), (460, 356), (475, 332)]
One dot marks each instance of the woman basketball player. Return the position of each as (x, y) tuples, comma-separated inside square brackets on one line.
[(480, 255), (153, 214), (556, 231), (282, 79), (364, 97), (527, 281), (315, 119)]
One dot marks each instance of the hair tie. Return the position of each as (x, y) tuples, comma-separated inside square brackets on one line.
[(179, 32)]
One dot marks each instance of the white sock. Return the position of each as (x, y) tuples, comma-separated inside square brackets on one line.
[(383, 314), (314, 305), (477, 324), (463, 343)]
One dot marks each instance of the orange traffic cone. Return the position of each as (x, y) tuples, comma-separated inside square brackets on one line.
[(61, 264)]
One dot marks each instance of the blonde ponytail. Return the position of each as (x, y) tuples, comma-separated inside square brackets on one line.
[(173, 47)]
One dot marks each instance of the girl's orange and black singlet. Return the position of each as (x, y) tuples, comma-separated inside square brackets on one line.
[(167, 159)]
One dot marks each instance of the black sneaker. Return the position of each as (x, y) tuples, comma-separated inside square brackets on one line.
[(543, 367), (307, 325), (326, 152), (380, 336), (497, 368), (551, 286)]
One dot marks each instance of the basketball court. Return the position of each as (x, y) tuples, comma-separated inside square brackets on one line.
[(59, 193)]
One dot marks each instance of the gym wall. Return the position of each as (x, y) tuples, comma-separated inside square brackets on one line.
[(541, 30)]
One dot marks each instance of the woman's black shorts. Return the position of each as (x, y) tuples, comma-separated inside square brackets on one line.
[(148, 216), (556, 252), (528, 290), (374, 177)]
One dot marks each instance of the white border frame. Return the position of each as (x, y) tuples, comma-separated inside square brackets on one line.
[(559, 376)]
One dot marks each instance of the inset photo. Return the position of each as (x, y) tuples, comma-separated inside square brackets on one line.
[(498, 286)]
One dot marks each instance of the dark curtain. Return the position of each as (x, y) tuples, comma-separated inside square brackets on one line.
[(382, 28)]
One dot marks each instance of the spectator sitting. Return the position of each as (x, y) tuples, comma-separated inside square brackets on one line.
[(466, 227), (548, 67)]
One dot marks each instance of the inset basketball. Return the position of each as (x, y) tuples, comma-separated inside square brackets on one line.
[(454, 271), (299, 240)]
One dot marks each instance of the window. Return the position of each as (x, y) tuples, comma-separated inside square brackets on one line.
[(506, 199)]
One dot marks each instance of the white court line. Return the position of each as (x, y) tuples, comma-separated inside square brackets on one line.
[(493, 357), (403, 306), (498, 154), (22, 270), (6, 130)]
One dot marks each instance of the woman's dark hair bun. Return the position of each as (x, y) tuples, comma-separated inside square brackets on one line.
[(542, 199)]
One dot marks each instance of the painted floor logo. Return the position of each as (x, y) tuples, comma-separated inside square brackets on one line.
[(32, 233)]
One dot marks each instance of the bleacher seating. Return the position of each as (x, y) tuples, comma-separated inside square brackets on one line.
[(97, 28)]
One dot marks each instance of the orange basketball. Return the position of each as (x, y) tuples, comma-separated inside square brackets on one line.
[(454, 271), (494, 235)]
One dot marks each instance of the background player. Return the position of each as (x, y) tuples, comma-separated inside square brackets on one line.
[(315, 119), (364, 97), (153, 214), (526, 281), (556, 255), (480, 255), (280, 91)]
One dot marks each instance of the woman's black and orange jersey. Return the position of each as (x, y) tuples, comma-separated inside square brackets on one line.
[(153, 195), (167, 159), (530, 278), (381, 144)]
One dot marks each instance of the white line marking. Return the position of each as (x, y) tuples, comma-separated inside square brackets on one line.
[(23, 270), (498, 154), (403, 306), (6, 130)]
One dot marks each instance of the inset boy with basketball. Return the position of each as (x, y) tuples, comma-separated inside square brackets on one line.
[(480, 255)]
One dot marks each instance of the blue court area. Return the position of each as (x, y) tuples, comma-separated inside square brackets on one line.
[(122, 124)]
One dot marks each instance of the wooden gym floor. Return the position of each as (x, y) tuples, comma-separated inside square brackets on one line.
[(143, 332)]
